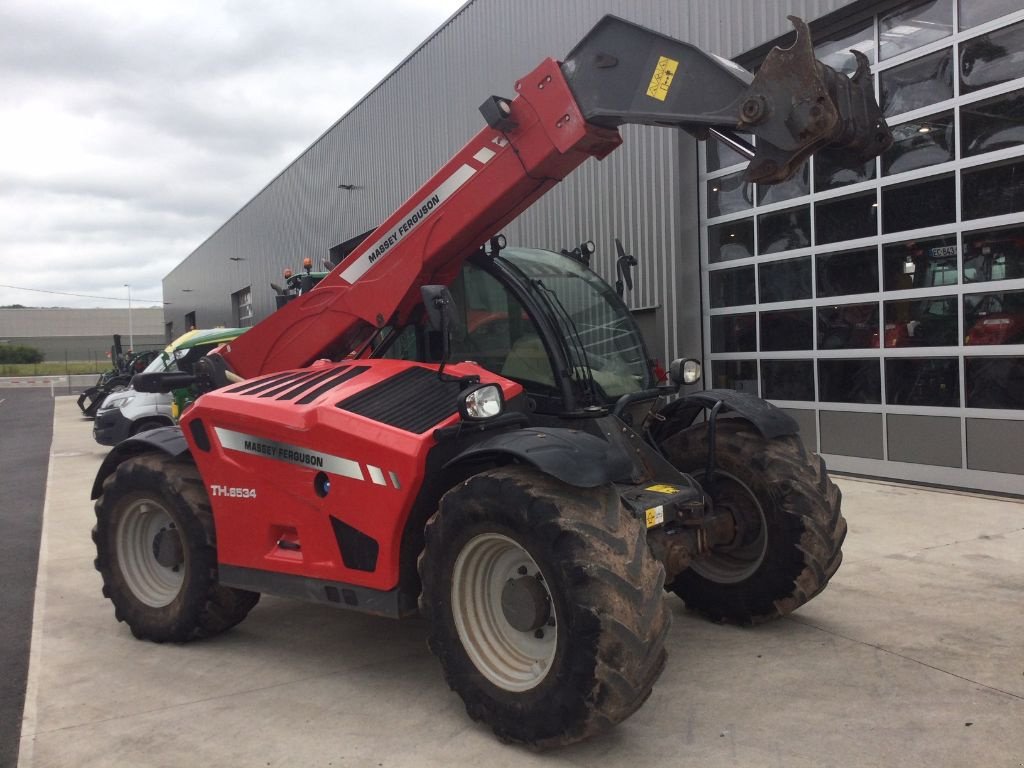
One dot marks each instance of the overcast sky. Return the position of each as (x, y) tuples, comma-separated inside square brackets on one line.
[(129, 131)]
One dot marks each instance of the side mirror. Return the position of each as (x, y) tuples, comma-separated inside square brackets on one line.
[(440, 307), (161, 381), (684, 371)]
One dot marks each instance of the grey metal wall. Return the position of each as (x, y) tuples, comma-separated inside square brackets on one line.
[(80, 334), (401, 132)]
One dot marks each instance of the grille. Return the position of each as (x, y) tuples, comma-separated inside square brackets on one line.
[(414, 400)]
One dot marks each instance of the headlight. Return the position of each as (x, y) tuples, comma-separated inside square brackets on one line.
[(691, 372), (481, 402), (684, 371), (117, 402)]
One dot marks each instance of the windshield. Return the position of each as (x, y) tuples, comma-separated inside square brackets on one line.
[(597, 328)]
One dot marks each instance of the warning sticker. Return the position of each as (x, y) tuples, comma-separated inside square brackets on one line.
[(662, 489), (655, 516), (661, 80)]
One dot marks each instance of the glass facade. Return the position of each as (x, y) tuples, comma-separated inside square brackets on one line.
[(895, 288)]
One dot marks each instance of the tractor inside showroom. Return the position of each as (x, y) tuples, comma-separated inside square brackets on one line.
[(448, 427)]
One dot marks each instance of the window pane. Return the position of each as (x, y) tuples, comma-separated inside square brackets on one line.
[(733, 333), (735, 374), (994, 254), (734, 240), (917, 83), (850, 381), (845, 218), (919, 204), (992, 124), (994, 318), (830, 174), (784, 230), (730, 287), (729, 194), (839, 274), (923, 381), (835, 50), (920, 143), (787, 280), (788, 329), (994, 382), (930, 322), (799, 184), (992, 58), (920, 263), (975, 12), (787, 379), (848, 326), (921, 23), (993, 189), (720, 156)]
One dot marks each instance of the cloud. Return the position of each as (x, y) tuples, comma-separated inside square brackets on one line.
[(130, 131)]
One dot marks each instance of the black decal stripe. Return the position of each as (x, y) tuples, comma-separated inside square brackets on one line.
[(262, 380), (332, 383), (293, 393), (291, 377), (308, 376)]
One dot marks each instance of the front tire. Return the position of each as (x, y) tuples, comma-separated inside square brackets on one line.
[(157, 553), (545, 603), (790, 529)]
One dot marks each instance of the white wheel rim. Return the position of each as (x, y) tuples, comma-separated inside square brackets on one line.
[(509, 658), (153, 584)]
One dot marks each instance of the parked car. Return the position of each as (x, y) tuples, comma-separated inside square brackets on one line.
[(126, 412)]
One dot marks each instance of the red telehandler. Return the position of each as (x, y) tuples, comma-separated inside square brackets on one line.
[(448, 427)]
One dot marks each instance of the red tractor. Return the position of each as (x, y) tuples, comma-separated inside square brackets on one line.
[(449, 427)]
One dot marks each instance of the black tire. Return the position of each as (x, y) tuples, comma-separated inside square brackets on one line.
[(793, 531), (148, 424), (608, 619), (144, 501)]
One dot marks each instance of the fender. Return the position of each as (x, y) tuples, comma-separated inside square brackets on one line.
[(576, 458), (167, 440), (769, 420)]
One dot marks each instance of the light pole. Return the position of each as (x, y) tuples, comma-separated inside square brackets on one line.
[(131, 333)]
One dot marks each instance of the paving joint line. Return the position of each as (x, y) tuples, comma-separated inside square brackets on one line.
[(905, 657), (260, 689)]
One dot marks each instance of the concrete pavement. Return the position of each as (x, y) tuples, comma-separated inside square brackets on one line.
[(913, 656)]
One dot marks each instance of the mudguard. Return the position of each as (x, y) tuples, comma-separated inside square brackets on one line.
[(770, 421), (167, 440), (576, 458)]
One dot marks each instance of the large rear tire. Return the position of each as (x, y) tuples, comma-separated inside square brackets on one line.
[(790, 529), (545, 603), (157, 553)]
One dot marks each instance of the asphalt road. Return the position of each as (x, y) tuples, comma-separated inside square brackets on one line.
[(26, 427)]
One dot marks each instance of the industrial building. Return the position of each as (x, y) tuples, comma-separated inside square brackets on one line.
[(63, 333), (883, 307)]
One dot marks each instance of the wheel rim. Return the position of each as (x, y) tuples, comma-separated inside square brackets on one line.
[(510, 658), (146, 534), (739, 560)]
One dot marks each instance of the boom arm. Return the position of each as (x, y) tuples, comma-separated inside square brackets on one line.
[(562, 115)]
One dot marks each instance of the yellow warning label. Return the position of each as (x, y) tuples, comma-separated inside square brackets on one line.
[(661, 80), (662, 488), (655, 516)]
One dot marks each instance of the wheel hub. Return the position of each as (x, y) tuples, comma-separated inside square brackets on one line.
[(167, 548), (525, 604)]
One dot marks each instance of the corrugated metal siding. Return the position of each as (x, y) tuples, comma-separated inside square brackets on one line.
[(34, 323), (393, 140)]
